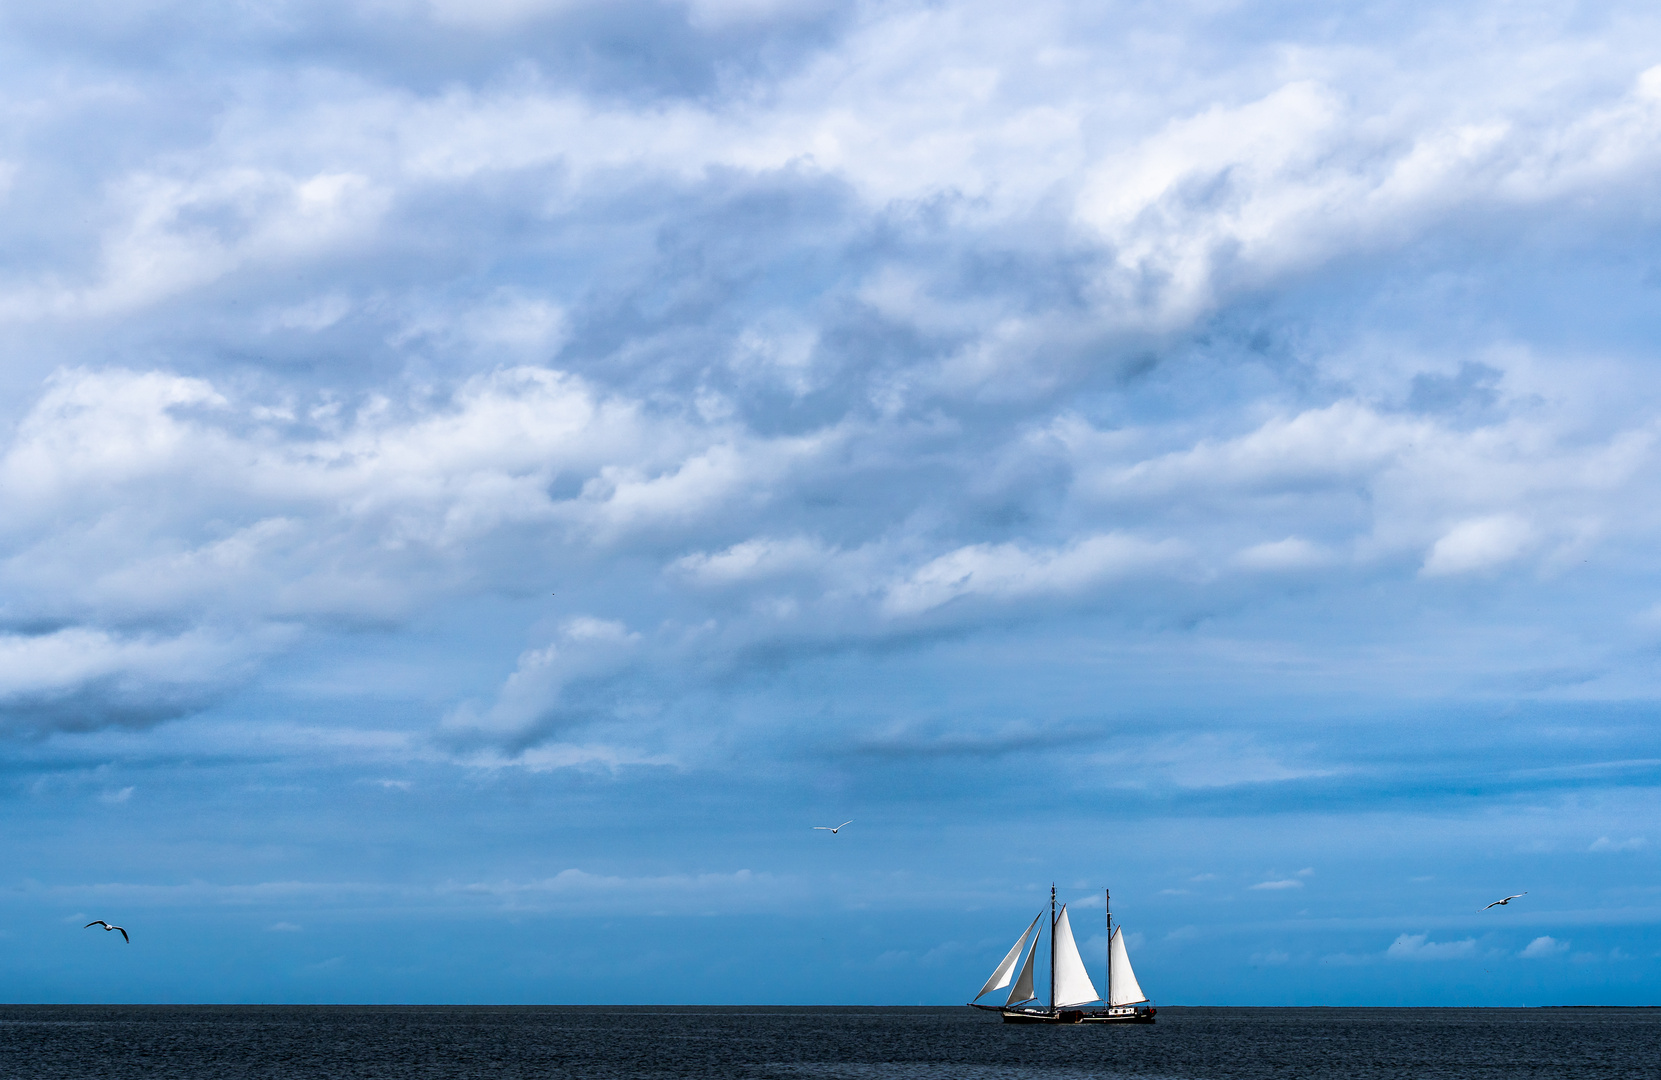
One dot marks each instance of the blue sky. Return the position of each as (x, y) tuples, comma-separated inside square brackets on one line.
[(481, 480)]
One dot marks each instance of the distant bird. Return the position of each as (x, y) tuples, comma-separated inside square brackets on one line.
[(1507, 900), (839, 828), (107, 927)]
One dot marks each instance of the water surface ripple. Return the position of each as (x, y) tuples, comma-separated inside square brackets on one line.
[(418, 1042)]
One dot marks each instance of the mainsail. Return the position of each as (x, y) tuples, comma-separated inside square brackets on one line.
[(1072, 982), (1006, 968), (1023, 985), (1121, 980)]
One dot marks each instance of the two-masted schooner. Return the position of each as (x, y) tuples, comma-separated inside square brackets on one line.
[(1070, 985)]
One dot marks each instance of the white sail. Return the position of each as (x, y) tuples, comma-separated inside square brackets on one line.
[(1023, 985), (1072, 982), (1006, 968), (1121, 980)]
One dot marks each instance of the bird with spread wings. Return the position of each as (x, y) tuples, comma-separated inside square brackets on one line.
[(107, 927), (829, 829), (1507, 900)]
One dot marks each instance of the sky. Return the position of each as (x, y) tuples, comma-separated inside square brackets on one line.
[(481, 479)]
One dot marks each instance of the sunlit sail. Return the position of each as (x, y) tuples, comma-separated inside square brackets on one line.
[(1023, 985), (1071, 987), (1072, 982), (1123, 989), (1000, 978)]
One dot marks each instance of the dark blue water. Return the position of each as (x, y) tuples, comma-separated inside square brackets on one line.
[(44, 1042)]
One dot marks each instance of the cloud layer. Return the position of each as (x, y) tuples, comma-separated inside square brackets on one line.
[(1230, 409)]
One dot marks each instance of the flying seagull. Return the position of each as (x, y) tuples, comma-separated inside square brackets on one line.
[(1507, 900), (108, 927), (827, 828)]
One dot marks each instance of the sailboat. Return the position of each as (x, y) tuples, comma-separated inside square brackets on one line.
[(1070, 985)]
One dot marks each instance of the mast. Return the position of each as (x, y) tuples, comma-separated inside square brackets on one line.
[(1052, 946), (1107, 906)]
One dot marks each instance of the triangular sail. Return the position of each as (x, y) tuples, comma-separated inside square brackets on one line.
[(1023, 985), (1121, 980), (1072, 982), (1006, 968)]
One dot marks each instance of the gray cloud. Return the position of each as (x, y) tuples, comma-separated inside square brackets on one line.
[(637, 50), (765, 341)]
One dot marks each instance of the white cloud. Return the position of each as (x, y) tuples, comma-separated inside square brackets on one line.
[(419, 476), (1323, 447), (1282, 883), (549, 757), (49, 663), (1011, 571), (1208, 761), (581, 883), (569, 890), (497, 14), (754, 559), (1543, 948), (586, 650), (318, 313), (1478, 545), (722, 13), (1604, 843), (105, 428), (80, 679), (1292, 553), (1419, 947), (178, 235)]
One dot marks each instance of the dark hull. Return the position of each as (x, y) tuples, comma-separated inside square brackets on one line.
[(1123, 1014)]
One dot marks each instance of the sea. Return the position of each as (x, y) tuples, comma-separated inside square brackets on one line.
[(422, 1042)]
